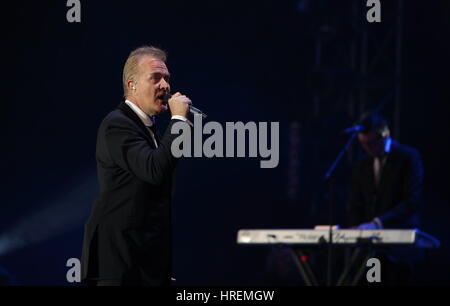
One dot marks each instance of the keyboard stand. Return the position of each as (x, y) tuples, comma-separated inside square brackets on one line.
[(304, 267), (310, 279), (353, 262)]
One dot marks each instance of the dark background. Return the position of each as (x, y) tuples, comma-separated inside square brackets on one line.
[(238, 61)]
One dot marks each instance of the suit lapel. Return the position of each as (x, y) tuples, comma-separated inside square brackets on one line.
[(371, 178), (389, 165), (132, 115), (157, 136)]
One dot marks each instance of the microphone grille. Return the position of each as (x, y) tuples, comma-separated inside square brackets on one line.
[(166, 98)]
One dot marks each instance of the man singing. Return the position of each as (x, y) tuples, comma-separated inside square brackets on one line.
[(127, 236)]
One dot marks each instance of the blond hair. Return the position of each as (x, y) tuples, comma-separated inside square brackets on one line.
[(131, 67)]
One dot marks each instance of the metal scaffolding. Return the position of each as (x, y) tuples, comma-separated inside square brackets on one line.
[(357, 64)]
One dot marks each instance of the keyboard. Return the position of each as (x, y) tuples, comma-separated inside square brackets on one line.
[(405, 237)]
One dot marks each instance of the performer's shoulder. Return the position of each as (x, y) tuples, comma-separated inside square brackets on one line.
[(405, 151), (116, 116)]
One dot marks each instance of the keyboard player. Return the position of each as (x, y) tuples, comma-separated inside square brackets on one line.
[(387, 192)]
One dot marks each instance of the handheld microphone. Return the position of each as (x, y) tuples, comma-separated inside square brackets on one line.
[(193, 110)]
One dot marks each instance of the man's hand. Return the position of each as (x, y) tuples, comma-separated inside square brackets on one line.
[(368, 226), (179, 105)]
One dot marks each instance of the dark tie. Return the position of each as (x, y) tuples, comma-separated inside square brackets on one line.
[(155, 131)]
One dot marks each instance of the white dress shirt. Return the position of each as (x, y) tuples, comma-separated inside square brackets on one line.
[(146, 120), (378, 164)]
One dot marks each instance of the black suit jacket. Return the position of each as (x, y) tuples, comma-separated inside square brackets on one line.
[(396, 200), (127, 236)]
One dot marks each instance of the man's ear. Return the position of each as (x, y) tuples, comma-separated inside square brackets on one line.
[(131, 84), (385, 133)]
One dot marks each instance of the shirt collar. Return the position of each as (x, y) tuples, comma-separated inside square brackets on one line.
[(387, 150), (143, 116)]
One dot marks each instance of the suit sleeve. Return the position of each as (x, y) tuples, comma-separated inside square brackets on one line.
[(355, 210), (131, 151), (412, 194)]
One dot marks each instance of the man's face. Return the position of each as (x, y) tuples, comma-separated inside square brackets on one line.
[(372, 143), (151, 83)]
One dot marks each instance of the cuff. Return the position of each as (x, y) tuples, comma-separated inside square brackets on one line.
[(378, 222), (179, 117), (182, 118)]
